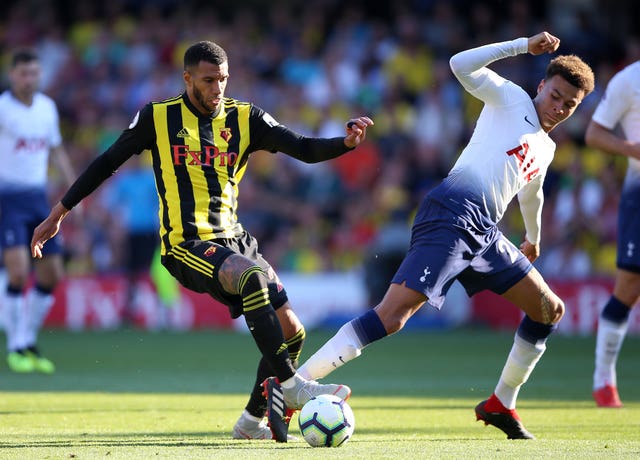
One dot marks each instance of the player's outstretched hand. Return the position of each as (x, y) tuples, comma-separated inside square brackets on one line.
[(47, 229), (357, 131), (543, 42)]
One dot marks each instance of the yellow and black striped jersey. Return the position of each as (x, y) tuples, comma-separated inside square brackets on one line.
[(198, 161)]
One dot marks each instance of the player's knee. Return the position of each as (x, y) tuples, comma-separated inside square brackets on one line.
[(552, 310), (392, 319), (254, 289)]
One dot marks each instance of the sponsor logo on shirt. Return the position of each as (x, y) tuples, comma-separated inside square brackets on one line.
[(209, 156), (526, 162)]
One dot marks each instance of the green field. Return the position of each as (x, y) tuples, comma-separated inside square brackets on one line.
[(138, 395)]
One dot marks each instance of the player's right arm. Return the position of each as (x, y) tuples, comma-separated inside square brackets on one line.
[(133, 140), (470, 66)]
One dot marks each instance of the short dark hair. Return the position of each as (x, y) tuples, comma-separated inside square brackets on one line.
[(204, 51), (574, 70), (22, 56)]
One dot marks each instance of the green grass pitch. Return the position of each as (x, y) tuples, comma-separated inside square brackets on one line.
[(137, 395)]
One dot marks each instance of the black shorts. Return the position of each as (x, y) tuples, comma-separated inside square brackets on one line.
[(195, 265)]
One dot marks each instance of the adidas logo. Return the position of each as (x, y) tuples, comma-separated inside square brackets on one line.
[(274, 395), (183, 133), (278, 401)]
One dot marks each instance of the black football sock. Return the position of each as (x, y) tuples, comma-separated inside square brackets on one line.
[(257, 405), (263, 323)]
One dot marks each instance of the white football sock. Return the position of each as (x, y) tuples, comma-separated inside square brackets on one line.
[(12, 312), (521, 361), (36, 309), (250, 418), (608, 343), (338, 350)]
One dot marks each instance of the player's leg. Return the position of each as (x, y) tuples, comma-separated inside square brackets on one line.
[(543, 310), (427, 271), (251, 424), (612, 329), (287, 390), (388, 317), (17, 262), (613, 321), (242, 285), (48, 272)]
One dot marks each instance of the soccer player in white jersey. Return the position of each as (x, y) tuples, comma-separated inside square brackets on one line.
[(620, 105), (455, 233), (29, 131)]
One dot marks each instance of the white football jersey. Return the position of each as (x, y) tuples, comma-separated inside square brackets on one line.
[(509, 152), (621, 104), (27, 133)]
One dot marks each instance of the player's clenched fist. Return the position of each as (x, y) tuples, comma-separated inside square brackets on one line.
[(543, 42)]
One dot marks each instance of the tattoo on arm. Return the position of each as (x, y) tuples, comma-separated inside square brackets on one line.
[(230, 271)]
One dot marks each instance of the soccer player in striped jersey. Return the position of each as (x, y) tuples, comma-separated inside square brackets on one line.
[(29, 135), (455, 233), (200, 142), (620, 105)]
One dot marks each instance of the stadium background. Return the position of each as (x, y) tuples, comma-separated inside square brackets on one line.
[(334, 231)]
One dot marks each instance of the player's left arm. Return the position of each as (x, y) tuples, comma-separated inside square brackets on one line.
[(470, 66), (531, 199), (268, 134)]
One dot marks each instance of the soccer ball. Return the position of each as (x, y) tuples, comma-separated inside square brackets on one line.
[(326, 421)]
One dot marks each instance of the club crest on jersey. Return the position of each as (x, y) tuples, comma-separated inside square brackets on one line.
[(225, 133), (211, 250)]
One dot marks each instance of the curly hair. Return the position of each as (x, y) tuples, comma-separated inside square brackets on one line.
[(204, 51), (574, 70)]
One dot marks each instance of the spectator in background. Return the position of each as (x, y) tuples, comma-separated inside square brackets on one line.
[(620, 105), (29, 134), (90, 77)]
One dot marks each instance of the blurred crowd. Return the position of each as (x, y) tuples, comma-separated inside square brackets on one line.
[(313, 65)]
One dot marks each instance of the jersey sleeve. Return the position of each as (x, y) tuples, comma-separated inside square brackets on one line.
[(134, 140), (531, 199), (268, 134), (469, 67), (614, 103)]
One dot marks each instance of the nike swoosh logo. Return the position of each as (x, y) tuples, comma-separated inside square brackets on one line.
[(527, 120)]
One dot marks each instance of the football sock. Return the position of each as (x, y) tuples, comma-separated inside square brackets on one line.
[(294, 344), (13, 306), (37, 305), (257, 404), (253, 418), (528, 347), (612, 329), (263, 323), (344, 346)]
